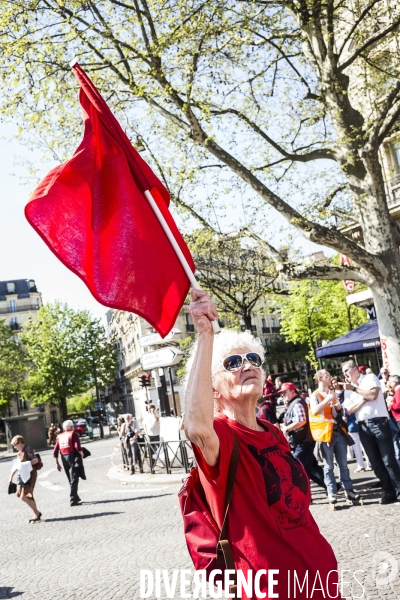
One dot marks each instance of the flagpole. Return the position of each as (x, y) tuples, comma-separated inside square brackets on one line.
[(182, 259)]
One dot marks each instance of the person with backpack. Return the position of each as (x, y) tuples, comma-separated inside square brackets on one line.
[(269, 525), (25, 487)]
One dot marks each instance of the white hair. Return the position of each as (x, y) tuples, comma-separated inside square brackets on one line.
[(225, 343), (68, 425)]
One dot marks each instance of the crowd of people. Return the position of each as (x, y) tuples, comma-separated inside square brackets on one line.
[(357, 415)]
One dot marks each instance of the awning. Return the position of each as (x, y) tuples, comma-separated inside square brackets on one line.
[(364, 338)]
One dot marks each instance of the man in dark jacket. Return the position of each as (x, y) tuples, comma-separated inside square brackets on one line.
[(296, 427), (68, 444)]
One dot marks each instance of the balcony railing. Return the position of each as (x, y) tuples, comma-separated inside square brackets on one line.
[(265, 330), (7, 310)]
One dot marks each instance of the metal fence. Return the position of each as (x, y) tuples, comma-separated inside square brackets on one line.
[(165, 455)]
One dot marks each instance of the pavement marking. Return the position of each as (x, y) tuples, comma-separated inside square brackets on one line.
[(46, 473), (51, 486), (98, 458)]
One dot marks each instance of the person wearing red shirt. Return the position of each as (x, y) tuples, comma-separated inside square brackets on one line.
[(393, 402), (69, 446), (270, 525)]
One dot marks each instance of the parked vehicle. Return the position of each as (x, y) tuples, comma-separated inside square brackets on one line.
[(80, 426)]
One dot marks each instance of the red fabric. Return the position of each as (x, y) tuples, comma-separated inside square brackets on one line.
[(67, 442), (92, 213), (395, 405), (201, 531), (268, 388), (269, 525)]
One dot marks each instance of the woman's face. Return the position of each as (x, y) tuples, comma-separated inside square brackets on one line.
[(246, 383), (335, 384)]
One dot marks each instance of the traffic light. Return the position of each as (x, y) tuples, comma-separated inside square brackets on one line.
[(144, 380)]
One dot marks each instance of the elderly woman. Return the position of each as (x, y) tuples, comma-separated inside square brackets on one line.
[(25, 490), (269, 522), (69, 446)]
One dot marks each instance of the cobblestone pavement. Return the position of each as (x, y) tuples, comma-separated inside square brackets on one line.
[(95, 551)]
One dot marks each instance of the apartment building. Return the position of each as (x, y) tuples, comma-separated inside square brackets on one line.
[(20, 301)]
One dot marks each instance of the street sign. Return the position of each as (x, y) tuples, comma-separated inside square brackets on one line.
[(155, 338), (165, 357), (97, 405)]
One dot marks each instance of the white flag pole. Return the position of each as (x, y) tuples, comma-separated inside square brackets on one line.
[(194, 283)]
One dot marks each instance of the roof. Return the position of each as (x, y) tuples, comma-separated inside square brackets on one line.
[(22, 288), (364, 338)]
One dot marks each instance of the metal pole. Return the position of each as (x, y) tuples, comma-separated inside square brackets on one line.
[(165, 395), (172, 390)]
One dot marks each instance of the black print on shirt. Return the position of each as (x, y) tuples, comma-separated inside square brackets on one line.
[(286, 486)]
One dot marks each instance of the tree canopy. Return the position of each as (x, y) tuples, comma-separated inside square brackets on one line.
[(240, 105), (68, 350), (237, 276), (12, 366), (316, 311)]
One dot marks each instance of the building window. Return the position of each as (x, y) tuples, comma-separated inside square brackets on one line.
[(23, 405), (10, 288), (189, 323), (13, 306), (14, 323), (264, 327), (396, 155)]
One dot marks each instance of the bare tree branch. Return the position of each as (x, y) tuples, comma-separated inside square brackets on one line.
[(362, 16), (299, 272), (383, 118), (326, 203), (370, 41), (319, 153)]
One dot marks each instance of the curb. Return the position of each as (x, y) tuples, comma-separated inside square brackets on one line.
[(146, 478)]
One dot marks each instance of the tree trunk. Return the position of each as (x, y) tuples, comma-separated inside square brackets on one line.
[(63, 409), (247, 320), (386, 296), (380, 237)]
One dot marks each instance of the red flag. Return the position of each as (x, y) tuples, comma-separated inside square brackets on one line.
[(92, 213)]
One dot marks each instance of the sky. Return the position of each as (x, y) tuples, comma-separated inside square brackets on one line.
[(23, 253)]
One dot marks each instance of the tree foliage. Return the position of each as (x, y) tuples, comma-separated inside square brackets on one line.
[(317, 311), (67, 348), (12, 366), (237, 276), (264, 103), (79, 404)]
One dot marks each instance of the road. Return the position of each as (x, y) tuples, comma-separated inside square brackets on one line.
[(95, 551)]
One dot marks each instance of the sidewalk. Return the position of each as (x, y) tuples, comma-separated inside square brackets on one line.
[(122, 477)]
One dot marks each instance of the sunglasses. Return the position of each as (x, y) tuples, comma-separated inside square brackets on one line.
[(235, 361)]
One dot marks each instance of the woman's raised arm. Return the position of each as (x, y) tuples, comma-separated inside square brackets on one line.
[(199, 398)]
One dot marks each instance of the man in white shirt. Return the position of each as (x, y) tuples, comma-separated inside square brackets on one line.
[(367, 402)]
